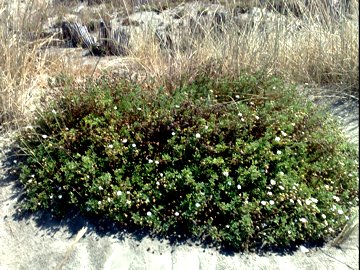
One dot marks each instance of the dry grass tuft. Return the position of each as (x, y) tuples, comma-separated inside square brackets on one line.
[(22, 67), (322, 52)]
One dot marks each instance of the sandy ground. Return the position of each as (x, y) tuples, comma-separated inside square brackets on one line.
[(39, 242)]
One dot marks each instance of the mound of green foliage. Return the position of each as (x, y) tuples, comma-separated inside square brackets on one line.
[(241, 163)]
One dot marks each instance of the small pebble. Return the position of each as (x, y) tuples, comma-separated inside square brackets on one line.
[(303, 249)]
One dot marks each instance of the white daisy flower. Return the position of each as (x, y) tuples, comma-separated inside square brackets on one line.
[(303, 220), (308, 201), (314, 200)]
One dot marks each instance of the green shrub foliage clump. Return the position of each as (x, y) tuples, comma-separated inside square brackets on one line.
[(241, 163)]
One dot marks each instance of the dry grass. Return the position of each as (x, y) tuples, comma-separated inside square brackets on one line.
[(21, 66), (322, 52), (26, 64)]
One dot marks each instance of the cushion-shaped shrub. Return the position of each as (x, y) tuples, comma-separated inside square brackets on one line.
[(246, 162)]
